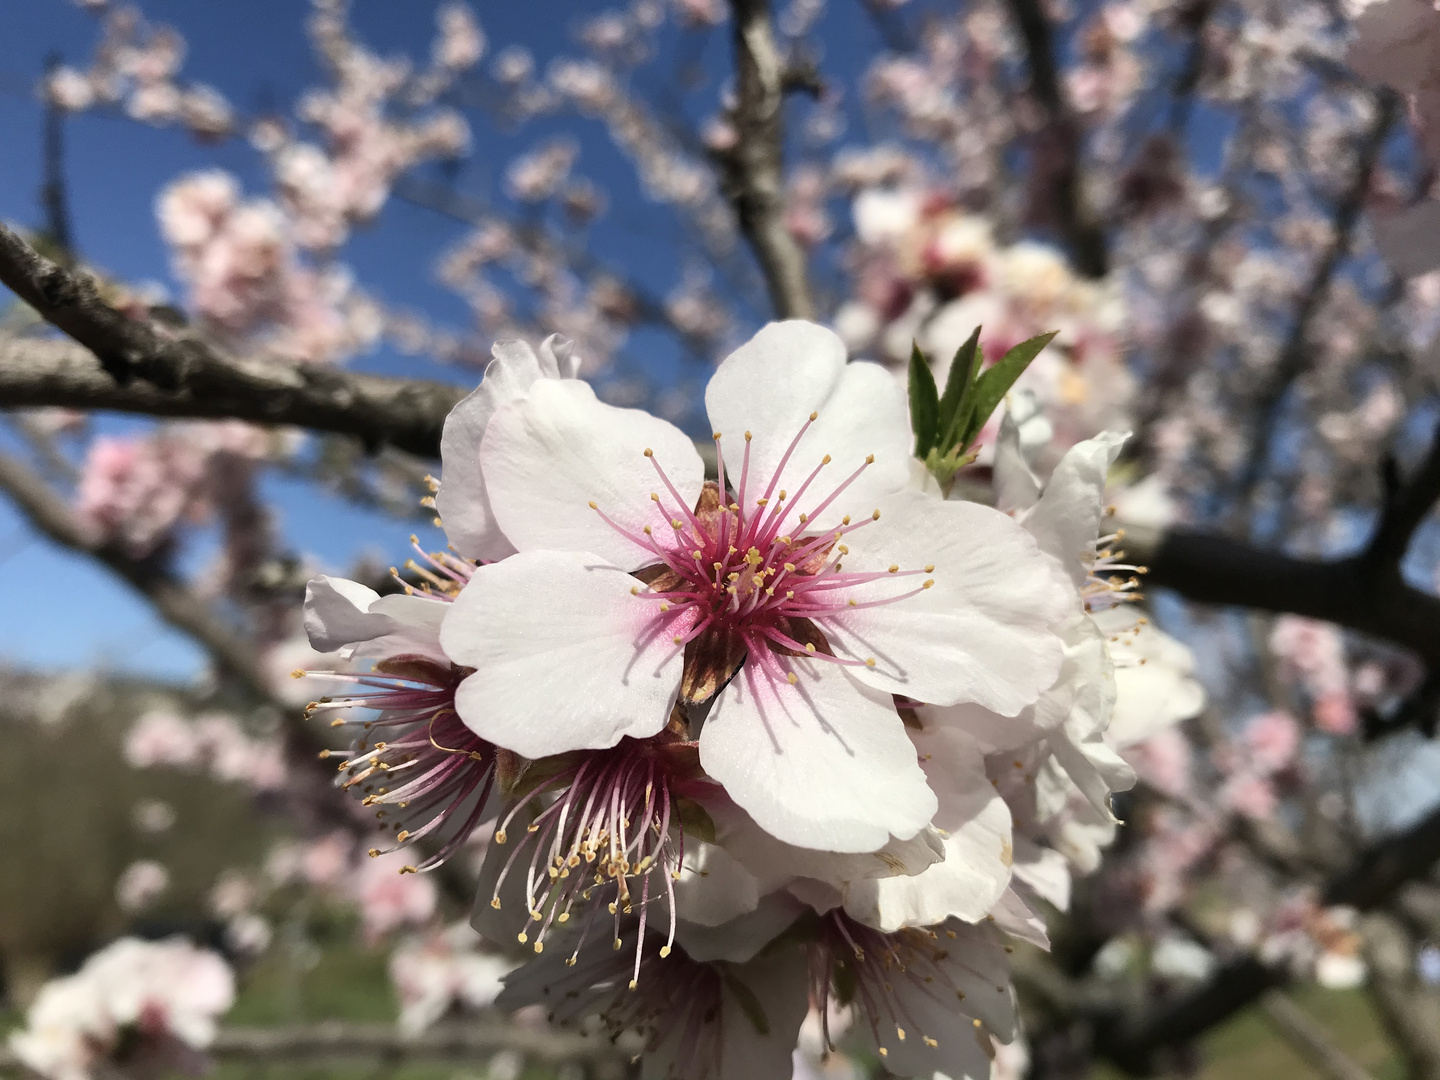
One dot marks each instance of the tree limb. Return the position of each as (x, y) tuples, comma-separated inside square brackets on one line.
[(143, 369), (1372, 879), (1309, 1039), (333, 1040), (1296, 351), (753, 172), (1078, 227), (1365, 592)]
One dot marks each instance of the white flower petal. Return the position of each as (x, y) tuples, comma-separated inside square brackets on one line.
[(462, 501), (978, 852), (565, 657), (775, 864), (770, 386), (821, 764), (984, 632), (548, 456), (975, 965), (761, 1009), (1016, 486), (1155, 684), (345, 615), (1066, 520), (743, 936)]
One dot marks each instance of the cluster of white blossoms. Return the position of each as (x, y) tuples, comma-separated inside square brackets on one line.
[(135, 1008), (804, 736)]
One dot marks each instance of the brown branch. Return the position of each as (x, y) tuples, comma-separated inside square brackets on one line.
[(1409, 1010), (1365, 592), (1372, 880), (333, 1040), (753, 173), (142, 369), (1059, 143), (1309, 1039)]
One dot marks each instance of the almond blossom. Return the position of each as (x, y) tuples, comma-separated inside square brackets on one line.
[(134, 1005), (734, 599)]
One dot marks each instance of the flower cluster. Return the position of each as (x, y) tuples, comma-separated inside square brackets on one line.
[(136, 1007), (801, 735), (136, 68)]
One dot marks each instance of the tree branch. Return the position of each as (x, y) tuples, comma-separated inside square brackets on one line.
[(1372, 879), (753, 173), (333, 1040), (1309, 1039), (1296, 350), (142, 369), (1081, 232)]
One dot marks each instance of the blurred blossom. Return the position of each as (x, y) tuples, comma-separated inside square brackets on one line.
[(140, 885)]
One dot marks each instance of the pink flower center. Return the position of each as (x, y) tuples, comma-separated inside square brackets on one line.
[(740, 578), (614, 819)]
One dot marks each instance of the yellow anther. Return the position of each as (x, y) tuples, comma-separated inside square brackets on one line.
[(634, 590), (900, 1033), (809, 647), (522, 937), (790, 567), (843, 550), (814, 416), (869, 459), (929, 1041), (647, 531), (791, 678), (649, 452), (929, 568), (495, 903), (884, 1052), (403, 835), (762, 502), (593, 506), (928, 582), (976, 1022), (374, 853), (654, 497), (499, 836), (564, 916), (869, 661), (845, 520), (664, 951), (539, 946), (804, 518), (875, 516), (747, 436), (664, 605), (633, 984), (894, 568), (675, 523), (716, 436)]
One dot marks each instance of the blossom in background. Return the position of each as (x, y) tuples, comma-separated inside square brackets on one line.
[(441, 971), (135, 1005)]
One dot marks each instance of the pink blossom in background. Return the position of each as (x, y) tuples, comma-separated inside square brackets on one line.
[(161, 738), (1164, 761), (389, 899), (140, 885), (1271, 741), (1249, 795)]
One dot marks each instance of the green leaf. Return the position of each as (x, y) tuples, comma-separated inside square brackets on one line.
[(992, 385), (957, 389), (924, 403), (748, 1002), (694, 820)]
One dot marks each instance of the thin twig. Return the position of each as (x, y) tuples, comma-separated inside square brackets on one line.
[(753, 171), (1082, 233)]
